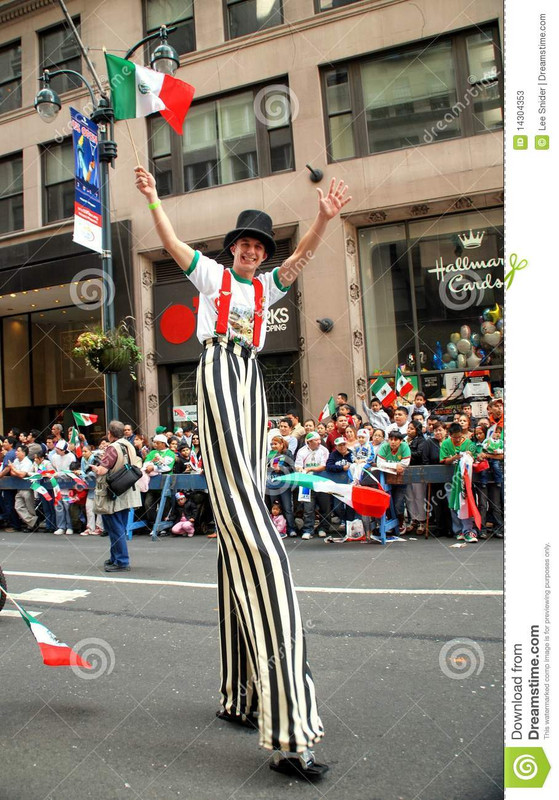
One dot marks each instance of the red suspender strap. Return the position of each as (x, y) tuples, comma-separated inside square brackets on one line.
[(224, 303), (258, 312)]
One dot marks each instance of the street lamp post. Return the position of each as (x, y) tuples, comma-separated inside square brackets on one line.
[(47, 103)]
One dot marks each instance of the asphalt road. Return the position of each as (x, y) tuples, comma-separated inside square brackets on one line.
[(402, 721)]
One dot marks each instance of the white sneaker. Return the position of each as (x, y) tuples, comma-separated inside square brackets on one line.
[(69, 532), (322, 534), (59, 531), (306, 536)]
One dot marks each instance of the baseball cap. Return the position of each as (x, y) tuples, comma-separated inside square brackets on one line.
[(340, 440), (180, 495), (160, 438), (312, 435), (160, 429), (61, 445)]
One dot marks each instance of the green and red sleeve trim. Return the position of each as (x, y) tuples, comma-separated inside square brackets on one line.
[(193, 263)]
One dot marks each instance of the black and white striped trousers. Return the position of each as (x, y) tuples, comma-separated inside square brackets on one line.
[(263, 652)]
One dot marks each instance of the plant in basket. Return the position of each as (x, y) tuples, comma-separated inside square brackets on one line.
[(109, 351)]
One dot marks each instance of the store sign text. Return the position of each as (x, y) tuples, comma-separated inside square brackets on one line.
[(461, 282)]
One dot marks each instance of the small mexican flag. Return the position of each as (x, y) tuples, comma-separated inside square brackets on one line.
[(383, 391), (75, 440), (403, 383), (138, 91), (55, 653), (84, 419), (328, 410)]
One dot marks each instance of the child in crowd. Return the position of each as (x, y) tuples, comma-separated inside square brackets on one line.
[(183, 515), (43, 465), (494, 446), (93, 524), (278, 520)]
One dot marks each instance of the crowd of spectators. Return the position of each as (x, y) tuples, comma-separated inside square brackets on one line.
[(375, 445)]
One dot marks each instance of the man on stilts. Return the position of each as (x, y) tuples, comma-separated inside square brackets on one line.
[(265, 679)]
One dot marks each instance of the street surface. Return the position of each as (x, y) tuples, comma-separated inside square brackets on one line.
[(402, 722)]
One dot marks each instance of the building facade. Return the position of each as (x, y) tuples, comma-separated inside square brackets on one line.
[(403, 101)]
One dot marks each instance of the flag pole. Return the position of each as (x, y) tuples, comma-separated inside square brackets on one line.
[(11, 599), (133, 144)]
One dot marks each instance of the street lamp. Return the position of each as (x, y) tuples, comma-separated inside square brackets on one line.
[(164, 58)]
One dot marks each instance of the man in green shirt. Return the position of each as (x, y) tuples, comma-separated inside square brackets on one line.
[(159, 461), (450, 453), (393, 457)]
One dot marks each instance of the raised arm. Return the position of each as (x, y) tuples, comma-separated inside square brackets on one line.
[(181, 252), (328, 207)]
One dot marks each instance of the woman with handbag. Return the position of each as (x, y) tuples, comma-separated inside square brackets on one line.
[(117, 492)]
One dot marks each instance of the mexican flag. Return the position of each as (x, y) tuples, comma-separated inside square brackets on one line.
[(383, 391), (461, 497), (138, 91), (403, 383), (328, 410), (84, 419), (55, 653), (75, 440), (364, 499)]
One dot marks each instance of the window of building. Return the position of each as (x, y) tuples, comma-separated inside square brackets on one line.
[(58, 181), (433, 295), (11, 193), (59, 50), (233, 138), (173, 12), (327, 5), (10, 77), (251, 16), (415, 95)]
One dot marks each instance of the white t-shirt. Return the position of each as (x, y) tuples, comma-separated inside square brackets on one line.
[(312, 458), (25, 465), (206, 275)]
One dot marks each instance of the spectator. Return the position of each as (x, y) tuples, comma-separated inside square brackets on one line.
[(338, 465), (493, 449), (309, 425), (42, 464), (49, 442), (467, 409), (393, 457), (182, 460), (34, 444), (336, 432), (195, 454), (400, 423), (464, 422), (141, 445), (438, 505), (415, 492), (432, 420), (350, 435), (159, 461), (56, 432), (115, 512), (22, 437), (11, 518), (418, 406), (22, 467), (280, 462), (183, 515), (341, 399), (322, 432), (63, 459), (450, 453), (286, 429), (278, 520), (129, 434), (93, 523), (298, 431), (312, 458)]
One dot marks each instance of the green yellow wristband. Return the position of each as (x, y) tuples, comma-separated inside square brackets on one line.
[(154, 205)]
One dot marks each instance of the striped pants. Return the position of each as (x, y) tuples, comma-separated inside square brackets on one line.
[(262, 643)]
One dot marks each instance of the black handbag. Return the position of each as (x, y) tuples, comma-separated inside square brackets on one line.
[(125, 477)]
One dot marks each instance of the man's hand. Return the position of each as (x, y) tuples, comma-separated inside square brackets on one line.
[(145, 184), (334, 201)]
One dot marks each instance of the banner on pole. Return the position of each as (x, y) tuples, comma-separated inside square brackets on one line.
[(87, 204)]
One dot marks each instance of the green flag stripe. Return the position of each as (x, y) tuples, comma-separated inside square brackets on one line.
[(122, 79)]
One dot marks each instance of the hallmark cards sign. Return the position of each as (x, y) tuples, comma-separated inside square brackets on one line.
[(467, 275), (87, 204)]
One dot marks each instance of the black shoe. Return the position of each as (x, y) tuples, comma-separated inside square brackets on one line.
[(117, 568), (243, 720), (108, 562), (299, 766)]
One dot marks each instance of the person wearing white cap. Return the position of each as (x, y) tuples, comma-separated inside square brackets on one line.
[(264, 667), (312, 457), (61, 458)]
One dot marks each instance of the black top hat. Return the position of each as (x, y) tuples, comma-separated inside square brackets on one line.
[(256, 224)]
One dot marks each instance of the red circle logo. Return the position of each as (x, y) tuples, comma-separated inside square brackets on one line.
[(177, 324)]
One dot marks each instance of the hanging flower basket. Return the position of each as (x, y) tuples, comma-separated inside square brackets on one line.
[(108, 351)]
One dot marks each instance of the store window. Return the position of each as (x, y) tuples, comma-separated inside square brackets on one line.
[(327, 5), (416, 95), (433, 295), (59, 50), (251, 16), (58, 181), (179, 13), (234, 138), (10, 77), (11, 193)]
